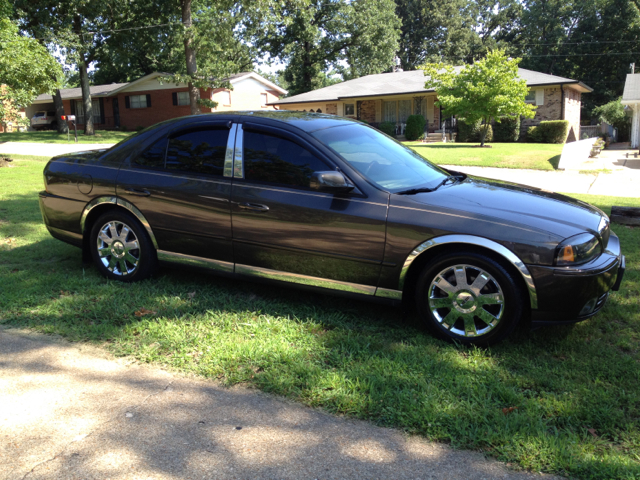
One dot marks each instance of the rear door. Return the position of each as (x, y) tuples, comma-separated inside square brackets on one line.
[(283, 229), (178, 184)]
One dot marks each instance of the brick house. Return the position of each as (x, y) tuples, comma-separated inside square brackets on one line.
[(392, 97), (147, 101)]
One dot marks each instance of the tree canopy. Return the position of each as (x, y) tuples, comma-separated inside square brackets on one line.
[(26, 69), (487, 90)]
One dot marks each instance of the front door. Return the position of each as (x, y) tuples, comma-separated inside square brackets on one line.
[(178, 185), (116, 113), (283, 229)]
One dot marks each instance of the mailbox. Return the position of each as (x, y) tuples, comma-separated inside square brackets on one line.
[(68, 118)]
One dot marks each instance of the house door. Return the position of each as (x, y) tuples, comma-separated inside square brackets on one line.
[(116, 113)]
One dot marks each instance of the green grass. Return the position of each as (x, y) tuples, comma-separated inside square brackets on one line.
[(533, 156), (348, 357), (101, 136)]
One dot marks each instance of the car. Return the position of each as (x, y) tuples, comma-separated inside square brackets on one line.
[(332, 204), (44, 120)]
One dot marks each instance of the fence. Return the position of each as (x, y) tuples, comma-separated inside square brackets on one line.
[(592, 131)]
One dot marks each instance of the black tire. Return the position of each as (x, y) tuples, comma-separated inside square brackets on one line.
[(118, 259), (455, 315)]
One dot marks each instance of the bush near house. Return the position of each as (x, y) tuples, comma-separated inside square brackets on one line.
[(470, 132), (507, 130), (389, 128), (552, 131), (415, 127)]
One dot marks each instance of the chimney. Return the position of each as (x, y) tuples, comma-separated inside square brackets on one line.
[(397, 67)]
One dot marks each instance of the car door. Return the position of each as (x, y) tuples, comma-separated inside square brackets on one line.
[(178, 184), (285, 230)]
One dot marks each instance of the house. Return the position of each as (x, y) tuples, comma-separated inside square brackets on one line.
[(147, 100), (631, 98), (392, 97)]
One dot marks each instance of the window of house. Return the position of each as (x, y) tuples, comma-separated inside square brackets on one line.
[(183, 98), (531, 97), (152, 157), (404, 107), (79, 112), (263, 99), (95, 108), (225, 98), (138, 101), (349, 109), (275, 160), (390, 112), (199, 151)]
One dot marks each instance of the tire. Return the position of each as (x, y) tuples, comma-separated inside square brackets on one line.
[(121, 248), (469, 298)]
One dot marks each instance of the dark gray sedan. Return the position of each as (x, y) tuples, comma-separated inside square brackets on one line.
[(329, 203)]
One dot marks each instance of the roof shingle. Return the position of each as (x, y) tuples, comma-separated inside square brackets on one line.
[(632, 88)]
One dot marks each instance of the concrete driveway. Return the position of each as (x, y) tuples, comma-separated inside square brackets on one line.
[(70, 411)]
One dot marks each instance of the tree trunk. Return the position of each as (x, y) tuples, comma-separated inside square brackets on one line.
[(57, 103), (190, 55), (86, 98)]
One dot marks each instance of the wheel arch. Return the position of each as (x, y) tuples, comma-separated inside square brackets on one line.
[(428, 250), (99, 205)]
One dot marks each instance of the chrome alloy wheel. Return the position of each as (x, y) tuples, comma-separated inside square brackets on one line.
[(466, 300), (118, 248)]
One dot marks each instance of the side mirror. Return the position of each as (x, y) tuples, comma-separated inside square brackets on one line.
[(332, 182)]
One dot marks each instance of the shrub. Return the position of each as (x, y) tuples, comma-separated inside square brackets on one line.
[(389, 128), (415, 127), (507, 130), (139, 128), (470, 133), (552, 131)]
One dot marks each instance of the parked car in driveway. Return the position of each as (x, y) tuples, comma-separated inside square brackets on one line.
[(44, 120), (330, 203)]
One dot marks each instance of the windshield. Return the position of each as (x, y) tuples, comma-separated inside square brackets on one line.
[(382, 160)]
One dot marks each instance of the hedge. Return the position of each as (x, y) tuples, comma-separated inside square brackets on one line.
[(415, 127), (552, 131), (470, 133), (507, 130), (389, 128)]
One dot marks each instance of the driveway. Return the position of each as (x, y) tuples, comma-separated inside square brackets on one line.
[(72, 411)]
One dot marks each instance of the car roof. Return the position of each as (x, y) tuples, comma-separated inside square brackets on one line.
[(306, 121)]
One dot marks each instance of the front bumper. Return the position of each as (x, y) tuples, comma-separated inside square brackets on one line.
[(572, 294)]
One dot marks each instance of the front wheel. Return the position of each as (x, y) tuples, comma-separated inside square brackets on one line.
[(121, 248), (469, 298)]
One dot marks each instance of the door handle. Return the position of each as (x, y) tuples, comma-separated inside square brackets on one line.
[(256, 207), (140, 193)]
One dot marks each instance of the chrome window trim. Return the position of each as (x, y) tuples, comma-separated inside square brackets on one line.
[(192, 261), (481, 242), (113, 200), (304, 279), (238, 164), (228, 155)]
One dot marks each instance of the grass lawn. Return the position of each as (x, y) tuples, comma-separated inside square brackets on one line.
[(535, 156), (101, 136), (575, 389)]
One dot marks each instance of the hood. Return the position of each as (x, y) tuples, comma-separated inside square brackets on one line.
[(545, 211), (79, 157)]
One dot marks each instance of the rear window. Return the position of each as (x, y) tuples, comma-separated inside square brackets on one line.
[(39, 114)]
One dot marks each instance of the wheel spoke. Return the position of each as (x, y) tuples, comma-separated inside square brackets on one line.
[(486, 317), (113, 231), (469, 326), (491, 299), (131, 259), (480, 281), (105, 238), (444, 302), (450, 319), (461, 276), (123, 266), (112, 263), (103, 252), (445, 286), (124, 233), (133, 245)]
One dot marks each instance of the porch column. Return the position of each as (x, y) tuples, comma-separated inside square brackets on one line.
[(635, 127)]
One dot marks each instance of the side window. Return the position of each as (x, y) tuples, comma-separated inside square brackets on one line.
[(153, 157), (198, 151), (272, 159)]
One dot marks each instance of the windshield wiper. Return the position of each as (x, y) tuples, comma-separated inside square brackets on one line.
[(413, 191)]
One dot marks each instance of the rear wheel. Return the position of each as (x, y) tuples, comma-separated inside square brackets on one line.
[(121, 248), (469, 298)]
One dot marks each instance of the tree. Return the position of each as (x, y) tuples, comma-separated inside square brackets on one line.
[(315, 36), (26, 69), (614, 114), (490, 89)]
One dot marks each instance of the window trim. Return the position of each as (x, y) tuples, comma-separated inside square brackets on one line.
[(228, 92), (352, 105), (178, 99), (532, 92), (131, 101)]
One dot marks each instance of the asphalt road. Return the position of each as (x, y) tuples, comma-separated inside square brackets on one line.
[(70, 411)]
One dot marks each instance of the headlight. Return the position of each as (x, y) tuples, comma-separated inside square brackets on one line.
[(578, 249)]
